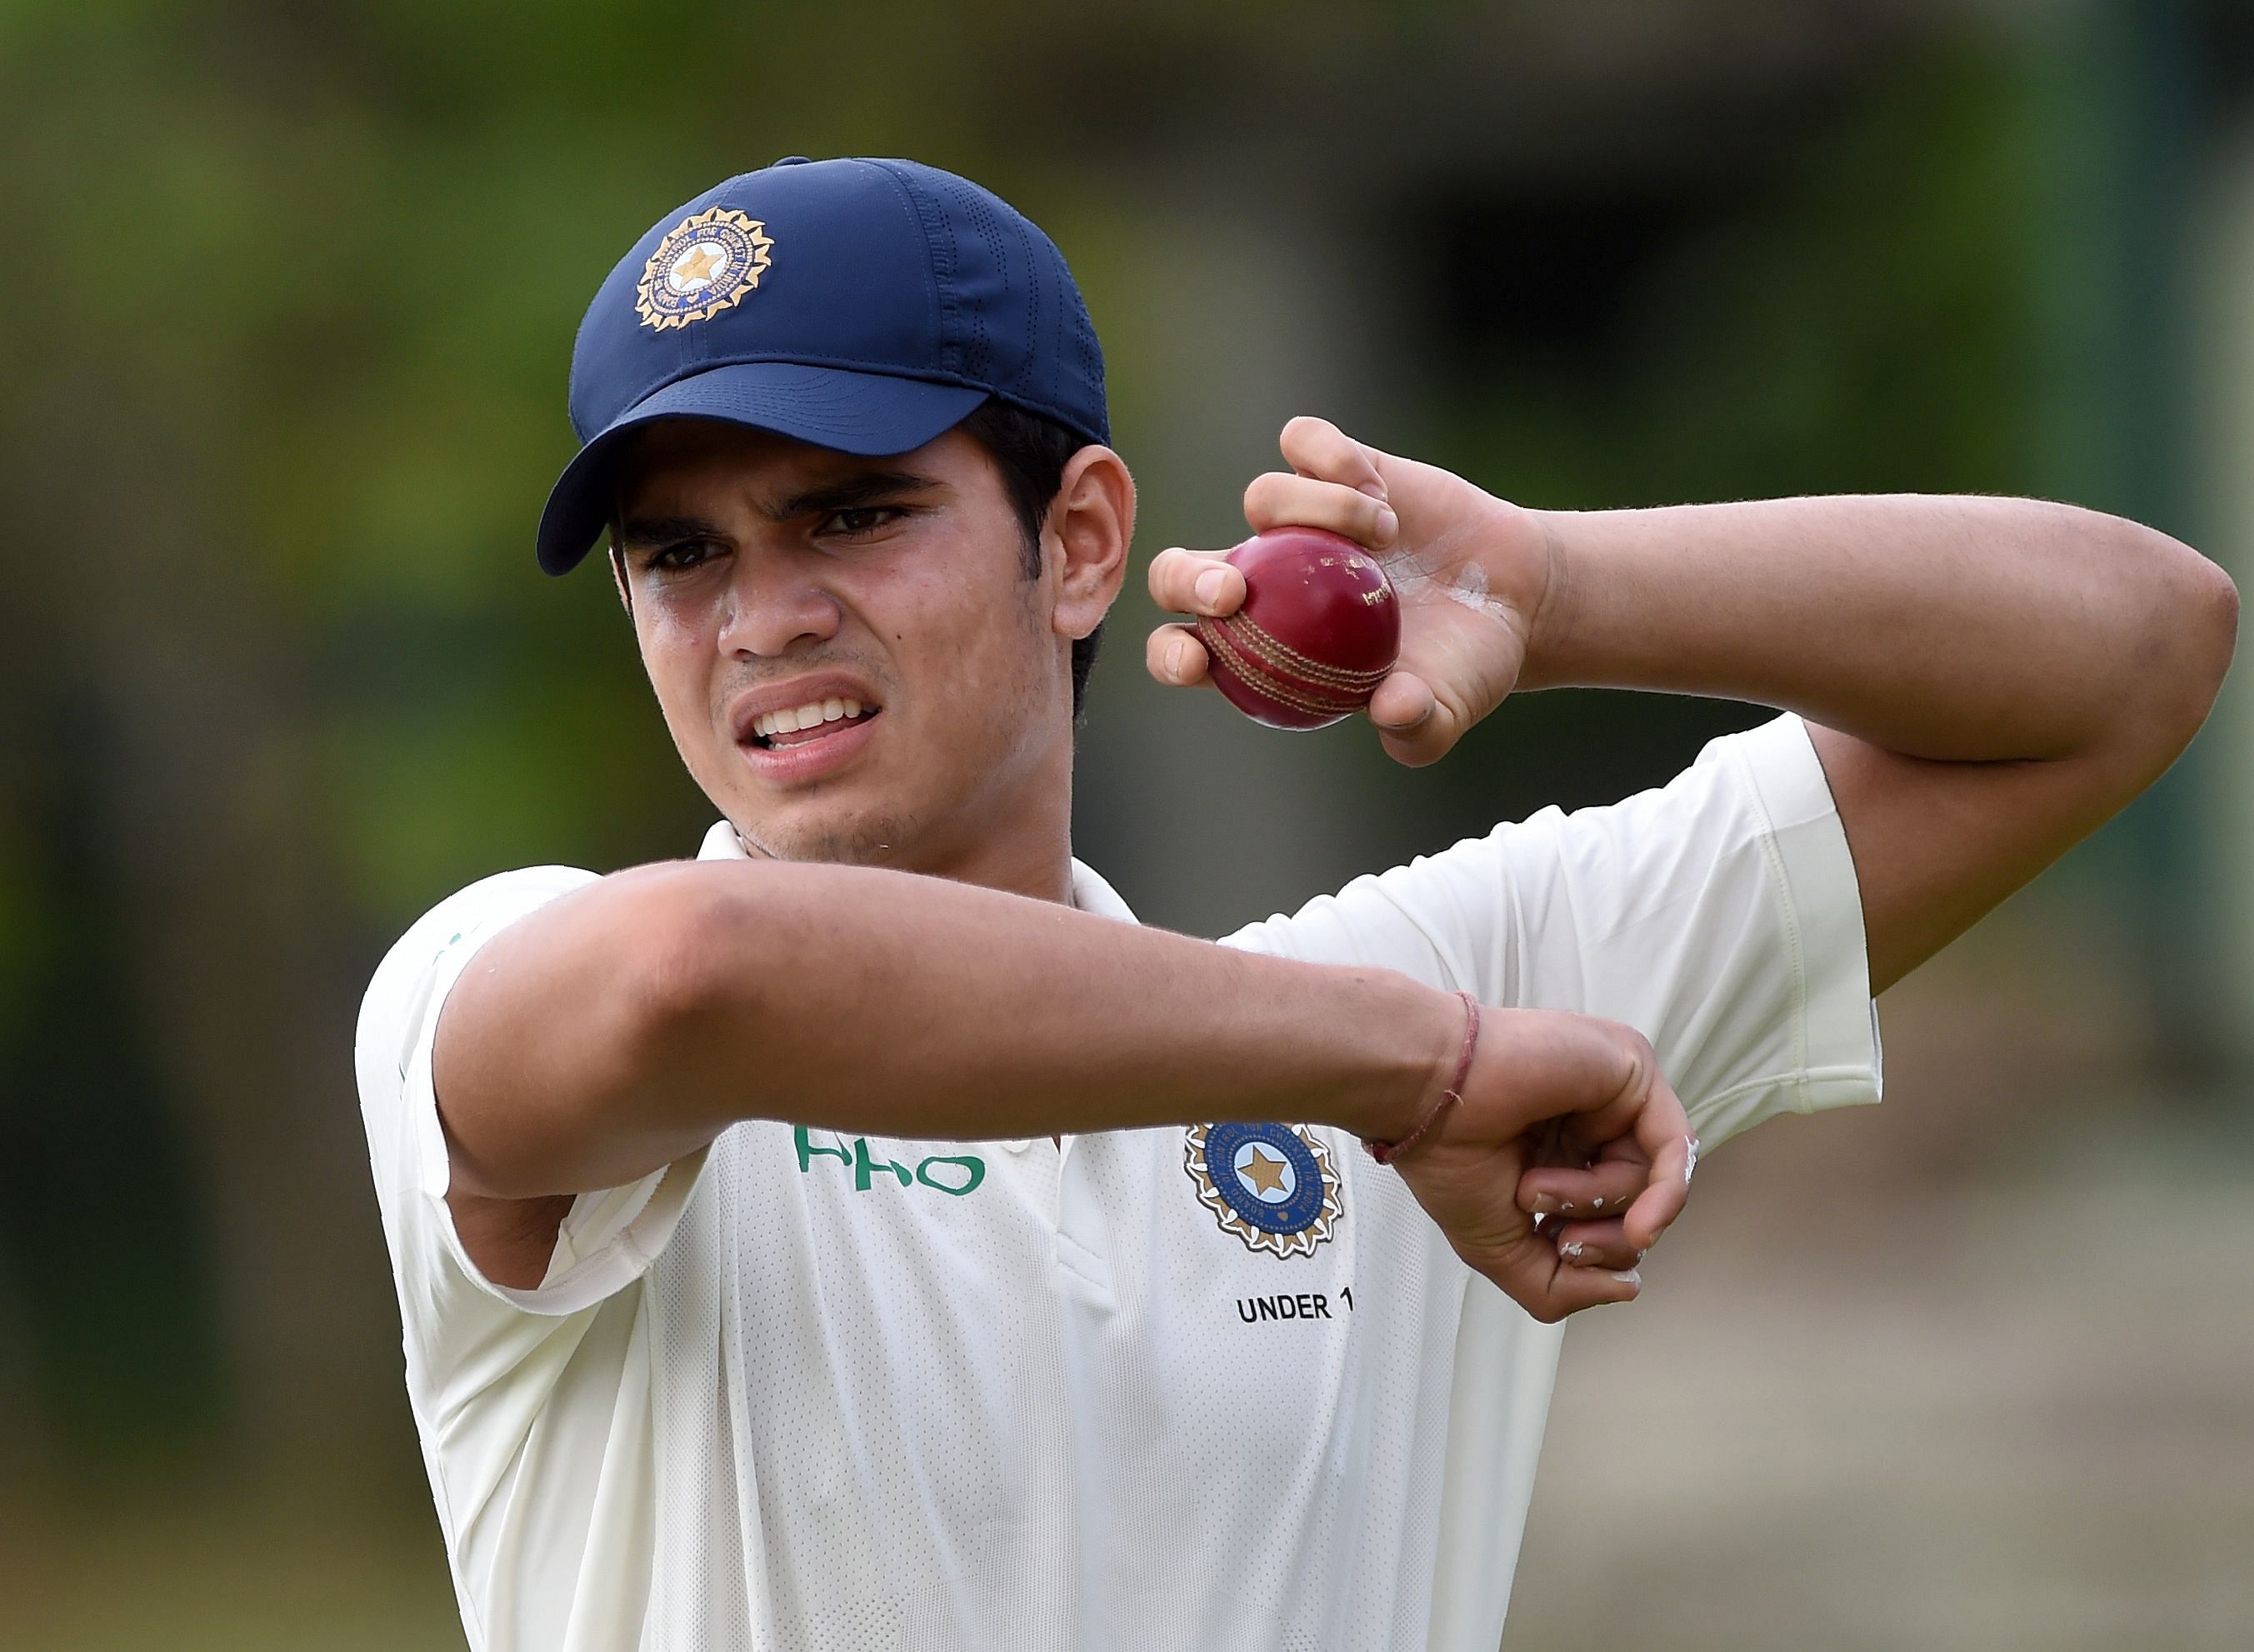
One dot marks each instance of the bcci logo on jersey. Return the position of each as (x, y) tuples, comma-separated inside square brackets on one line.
[(1270, 1185), (705, 264)]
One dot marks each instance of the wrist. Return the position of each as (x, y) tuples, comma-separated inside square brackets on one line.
[(1413, 1040), (1386, 1151), (1555, 551)]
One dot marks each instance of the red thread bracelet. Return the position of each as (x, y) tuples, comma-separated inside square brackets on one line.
[(1386, 1152)]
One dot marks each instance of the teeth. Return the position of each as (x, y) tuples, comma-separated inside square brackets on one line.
[(812, 715)]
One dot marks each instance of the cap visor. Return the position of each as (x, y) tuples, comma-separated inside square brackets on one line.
[(865, 413)]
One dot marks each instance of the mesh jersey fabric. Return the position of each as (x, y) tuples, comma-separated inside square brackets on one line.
[(809, 1390)]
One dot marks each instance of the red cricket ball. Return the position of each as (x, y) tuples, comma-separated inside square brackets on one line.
[(1320, 629)]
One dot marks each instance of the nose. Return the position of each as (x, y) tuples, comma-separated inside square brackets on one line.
[(775, 604)]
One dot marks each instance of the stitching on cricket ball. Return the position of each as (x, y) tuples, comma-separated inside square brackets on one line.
[(1258, 675), (1281, 655)]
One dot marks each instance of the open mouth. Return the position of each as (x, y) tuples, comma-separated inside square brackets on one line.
[(802, 725)]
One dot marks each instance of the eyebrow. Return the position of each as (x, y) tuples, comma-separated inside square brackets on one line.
[(647, 533), (854, 492)]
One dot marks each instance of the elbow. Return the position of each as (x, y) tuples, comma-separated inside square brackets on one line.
[(591, 1027), (684, 967), (2217, 605), (2189, 635), (2204, 624), (659, 1079)]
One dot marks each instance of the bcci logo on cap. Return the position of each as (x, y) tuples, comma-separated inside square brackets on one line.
[(1270, 1185), (703, 265)]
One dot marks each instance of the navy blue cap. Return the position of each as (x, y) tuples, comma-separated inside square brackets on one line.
[(864, 305)]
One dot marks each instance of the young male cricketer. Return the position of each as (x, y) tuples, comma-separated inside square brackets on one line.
[(863, 1235)]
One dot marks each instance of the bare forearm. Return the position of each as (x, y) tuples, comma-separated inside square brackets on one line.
[(1957, 628), (627, 1025)]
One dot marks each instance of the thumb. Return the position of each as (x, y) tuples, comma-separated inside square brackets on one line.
[(1415, 725), (1403, 702)]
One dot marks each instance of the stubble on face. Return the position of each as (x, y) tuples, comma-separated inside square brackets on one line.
[(1003, 717), (858, 840), (968, 676)]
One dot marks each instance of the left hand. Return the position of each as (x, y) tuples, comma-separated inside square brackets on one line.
[(1556, 1108), (1470, 570)]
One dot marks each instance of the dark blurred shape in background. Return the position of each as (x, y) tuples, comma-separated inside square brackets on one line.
[(290, 292)]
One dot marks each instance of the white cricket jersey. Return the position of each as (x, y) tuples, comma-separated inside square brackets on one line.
[(1203, 1387)]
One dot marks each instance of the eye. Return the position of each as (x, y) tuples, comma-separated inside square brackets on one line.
[(860, 521), (681, 558)]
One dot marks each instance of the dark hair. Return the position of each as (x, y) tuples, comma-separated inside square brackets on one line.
[(1030, 452)]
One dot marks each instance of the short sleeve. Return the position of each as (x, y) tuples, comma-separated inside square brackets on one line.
[(609, 1237), (533, 1408), (1719, 915)]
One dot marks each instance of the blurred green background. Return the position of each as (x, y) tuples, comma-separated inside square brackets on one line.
[(289, 290)]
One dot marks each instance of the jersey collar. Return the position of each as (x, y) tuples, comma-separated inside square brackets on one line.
[(1090, 893)]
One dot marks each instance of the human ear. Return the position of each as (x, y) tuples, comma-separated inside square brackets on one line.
[(1091, 522), (618, 579)]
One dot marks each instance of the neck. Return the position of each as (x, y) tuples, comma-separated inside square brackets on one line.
[(1016, 834), (1024, 847), (1041, 873)]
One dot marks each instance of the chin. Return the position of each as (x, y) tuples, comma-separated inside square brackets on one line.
[(846, 840)]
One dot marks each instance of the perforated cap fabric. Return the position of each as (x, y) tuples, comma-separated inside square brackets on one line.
[(1221, 1385)]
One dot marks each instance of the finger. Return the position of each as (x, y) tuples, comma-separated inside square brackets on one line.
[(1597, 1244), (1549, 1289), (1195, 581), (1278, 501), (1175, 656), (1318, 448), (1608, 1076), (1663, 1131), (1605, 1188)]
